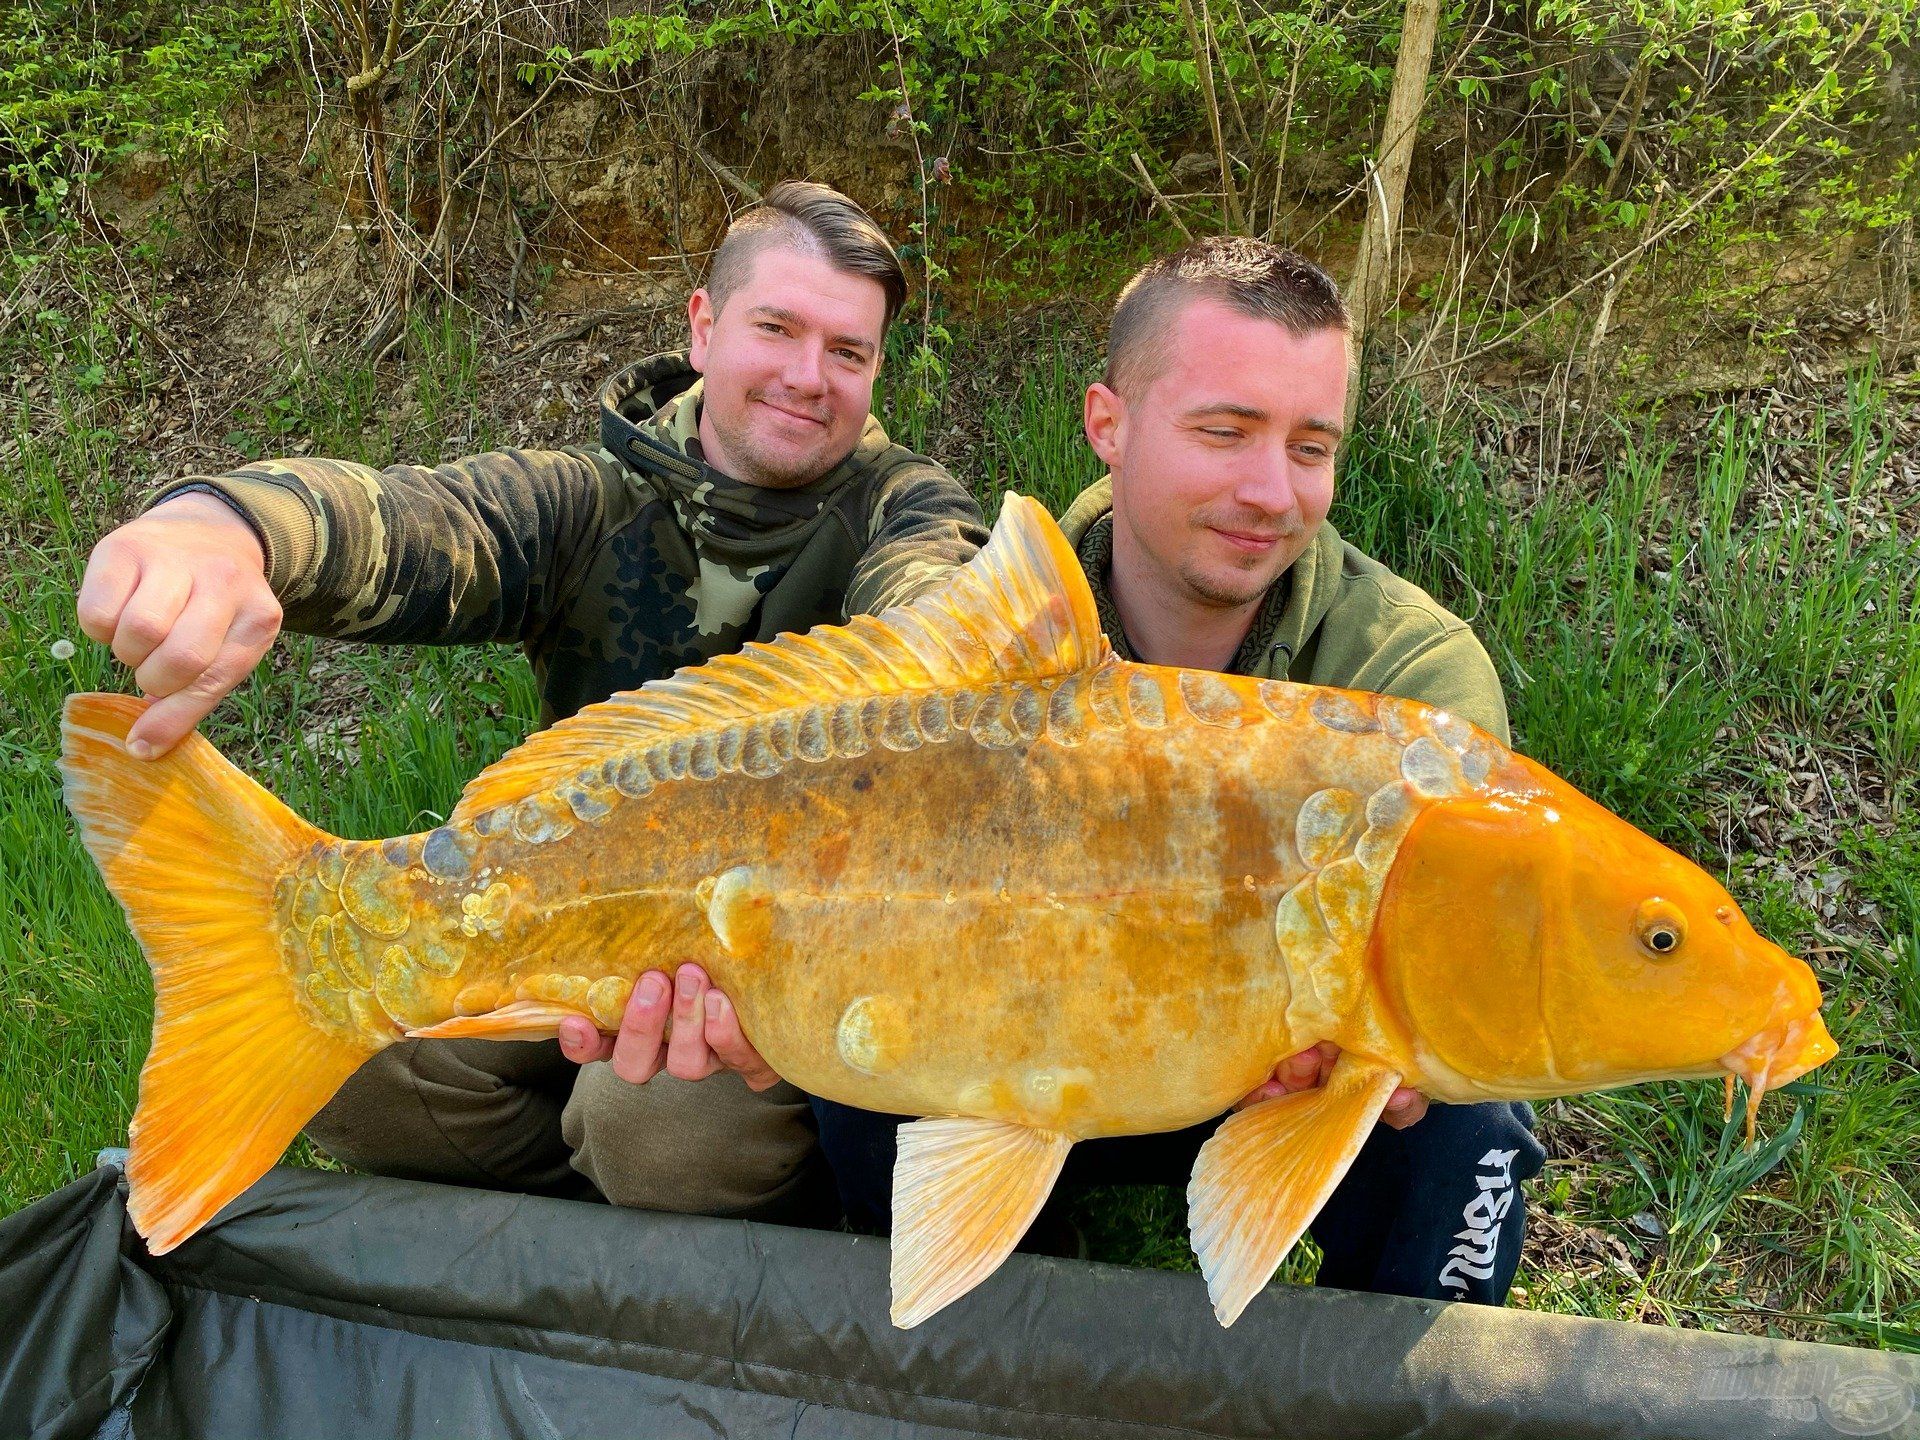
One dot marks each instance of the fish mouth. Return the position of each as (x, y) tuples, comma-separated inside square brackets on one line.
[(1776, 1057)]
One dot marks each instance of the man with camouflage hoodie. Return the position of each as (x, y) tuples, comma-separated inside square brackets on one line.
[(1208, 547), (739, 490)]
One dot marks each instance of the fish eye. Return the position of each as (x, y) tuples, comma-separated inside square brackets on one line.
[(1661, 928)]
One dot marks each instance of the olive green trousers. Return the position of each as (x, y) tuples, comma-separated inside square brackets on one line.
[(520, 1116)]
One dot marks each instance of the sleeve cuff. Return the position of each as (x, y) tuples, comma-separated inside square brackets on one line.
[(281, 518)]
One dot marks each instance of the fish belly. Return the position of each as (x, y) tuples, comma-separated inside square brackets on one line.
[(1075, 937)]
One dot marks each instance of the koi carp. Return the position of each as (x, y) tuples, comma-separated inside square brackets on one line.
[(957, 861)]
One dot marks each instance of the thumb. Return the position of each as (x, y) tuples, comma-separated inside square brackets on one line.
[(581, 1042)]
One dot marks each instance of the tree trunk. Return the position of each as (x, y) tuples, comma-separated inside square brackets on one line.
[(1387, 184)]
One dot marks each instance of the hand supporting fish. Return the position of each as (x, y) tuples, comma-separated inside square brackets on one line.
[(686, 1029), (1314, 1067), (958, 862), (681, 1026)]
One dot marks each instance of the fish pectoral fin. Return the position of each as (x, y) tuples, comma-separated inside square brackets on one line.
[(1266, 1172), (964, 1192), (522, 1020)]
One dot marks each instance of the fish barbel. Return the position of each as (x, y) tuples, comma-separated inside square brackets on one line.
[(957, 862)]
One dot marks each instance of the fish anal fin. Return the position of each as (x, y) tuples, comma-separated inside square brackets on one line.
[(964, 1192), (1019, 610), (521, 1020), (1266, 1172)]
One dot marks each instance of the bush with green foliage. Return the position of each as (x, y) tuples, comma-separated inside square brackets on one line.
[(84, 83), (1689, 126)]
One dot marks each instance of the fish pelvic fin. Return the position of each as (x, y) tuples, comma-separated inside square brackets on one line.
[(521, 1020), (1266, 1172), (191, 848), (964, 1192), (1020, 609)]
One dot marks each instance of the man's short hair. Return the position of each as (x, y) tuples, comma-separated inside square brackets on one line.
[(1250, 277), (801, 215)]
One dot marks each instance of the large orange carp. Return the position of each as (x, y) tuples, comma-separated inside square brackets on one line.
[(956, 862)]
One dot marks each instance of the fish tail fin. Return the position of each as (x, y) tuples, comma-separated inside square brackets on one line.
[(191, 848)]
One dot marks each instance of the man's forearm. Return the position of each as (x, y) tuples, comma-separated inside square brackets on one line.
[(473, 550), (926, 525)]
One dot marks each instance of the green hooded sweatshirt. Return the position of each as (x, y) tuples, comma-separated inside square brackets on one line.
[(612, 566), (1335, 617)]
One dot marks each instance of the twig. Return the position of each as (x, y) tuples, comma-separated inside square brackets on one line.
[(1203, 59), (729, 176), (519, 256), (1286, 132), (1154, 191), (134, 319), (376, 72), (1618, 282), (1628, 140), (920, 173), (389, 330), (589, 323)]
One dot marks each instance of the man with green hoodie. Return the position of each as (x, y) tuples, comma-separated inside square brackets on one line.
[(1208, 547), (739, 490)]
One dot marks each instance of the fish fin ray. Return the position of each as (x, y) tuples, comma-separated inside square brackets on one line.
[(1020, 609), (1266, 1172), (520, 1020), (191, 849), (964, 1192)]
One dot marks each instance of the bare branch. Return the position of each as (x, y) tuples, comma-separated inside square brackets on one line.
[(730, 177), (1154, 191), (1203, 63)]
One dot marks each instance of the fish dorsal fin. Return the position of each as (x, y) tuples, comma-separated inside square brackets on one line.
[(1020, 609)]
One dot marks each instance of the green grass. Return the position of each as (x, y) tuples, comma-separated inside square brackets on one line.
[(337, 404), (362, 741), (1656, 631), (1666, 632), (1607, 682), (1034, 441)]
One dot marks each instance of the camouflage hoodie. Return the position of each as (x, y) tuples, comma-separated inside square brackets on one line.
[(612, 566), (1335, 617)]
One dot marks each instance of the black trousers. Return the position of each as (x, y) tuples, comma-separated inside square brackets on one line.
[(1433, 1211)]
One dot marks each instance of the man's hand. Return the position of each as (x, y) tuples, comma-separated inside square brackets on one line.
[(1312, 1067), (181, 595), (706, 1035)]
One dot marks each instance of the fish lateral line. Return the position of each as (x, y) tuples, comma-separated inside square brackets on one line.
[(837, 895), (1028, 899), (607, 897)]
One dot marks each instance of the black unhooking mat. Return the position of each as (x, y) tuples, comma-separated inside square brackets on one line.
[(336, 1306)]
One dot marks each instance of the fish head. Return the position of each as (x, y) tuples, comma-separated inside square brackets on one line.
[(1534, 944)]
